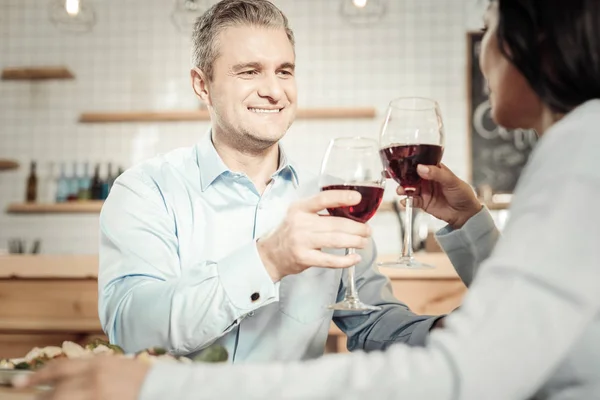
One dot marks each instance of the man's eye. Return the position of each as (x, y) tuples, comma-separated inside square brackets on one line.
[(249, 72), (286, 73)]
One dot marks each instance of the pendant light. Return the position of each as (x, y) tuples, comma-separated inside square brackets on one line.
[(73, 16), (363, 12)]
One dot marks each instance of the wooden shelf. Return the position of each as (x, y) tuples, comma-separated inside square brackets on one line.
[(75, 207), (49, 266), (36, 73), (6, 165), (202, 115), (50, 325)]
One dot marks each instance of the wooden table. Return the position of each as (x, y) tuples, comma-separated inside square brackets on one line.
[(48, 299)]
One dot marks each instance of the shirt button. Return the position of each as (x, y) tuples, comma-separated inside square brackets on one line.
[(255, 296), (251, 314)]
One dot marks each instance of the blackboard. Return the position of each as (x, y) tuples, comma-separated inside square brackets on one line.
[(497, 155)]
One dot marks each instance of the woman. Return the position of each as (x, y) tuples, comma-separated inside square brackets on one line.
[(529, 325)]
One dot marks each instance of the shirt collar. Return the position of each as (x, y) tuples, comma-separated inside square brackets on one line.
[(211, 165), (285, 164)]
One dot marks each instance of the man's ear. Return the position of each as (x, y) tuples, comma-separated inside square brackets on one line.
[(200, 85)]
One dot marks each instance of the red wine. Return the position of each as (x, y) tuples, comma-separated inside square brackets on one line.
[(401, 161), (363, 211)]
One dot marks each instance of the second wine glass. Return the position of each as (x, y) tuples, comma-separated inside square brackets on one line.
[(354, 164), (412, 134)]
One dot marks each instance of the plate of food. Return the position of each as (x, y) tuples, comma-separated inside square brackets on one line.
[(38, 357)]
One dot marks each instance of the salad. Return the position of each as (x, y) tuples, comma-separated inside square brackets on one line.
[(37, 357)]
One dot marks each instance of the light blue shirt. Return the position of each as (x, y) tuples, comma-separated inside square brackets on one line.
[(179, 267)]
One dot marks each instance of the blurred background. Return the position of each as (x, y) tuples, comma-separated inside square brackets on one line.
[(92, 87)]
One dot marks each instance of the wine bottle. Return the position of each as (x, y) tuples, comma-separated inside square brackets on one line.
[(62, 185), (85, 182), (32, 184), (96, 187)]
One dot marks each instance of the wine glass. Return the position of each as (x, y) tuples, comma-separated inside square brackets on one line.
[(412, 134), (354, 163)]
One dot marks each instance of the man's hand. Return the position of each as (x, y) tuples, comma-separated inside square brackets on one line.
[(99, 378), (296, 244)]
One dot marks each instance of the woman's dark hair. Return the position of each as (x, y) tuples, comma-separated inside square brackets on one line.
[(555, 44)]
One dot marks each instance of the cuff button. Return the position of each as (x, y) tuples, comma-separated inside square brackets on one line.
[(255, 296)]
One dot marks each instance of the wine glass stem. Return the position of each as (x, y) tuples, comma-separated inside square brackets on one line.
[(408, 229), (351, 288)]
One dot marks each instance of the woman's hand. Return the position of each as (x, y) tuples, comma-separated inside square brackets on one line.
[(443, 195)]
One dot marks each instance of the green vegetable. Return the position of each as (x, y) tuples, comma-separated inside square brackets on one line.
[(98, 342), (23, 365), (213, 354), (39, 362), (157, 351)]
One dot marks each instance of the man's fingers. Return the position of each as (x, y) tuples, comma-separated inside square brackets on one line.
[(342, 225), (336, 240), (319, 258), (328, 199)]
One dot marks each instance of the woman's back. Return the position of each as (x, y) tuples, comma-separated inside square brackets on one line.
[(560, 179)]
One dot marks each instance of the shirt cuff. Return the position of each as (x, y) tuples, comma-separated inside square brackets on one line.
[(245, 279), (468, 246), (419, 335), (477, 227)]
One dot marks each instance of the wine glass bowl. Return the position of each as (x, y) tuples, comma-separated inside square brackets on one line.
[(412, 134), (354, 163)]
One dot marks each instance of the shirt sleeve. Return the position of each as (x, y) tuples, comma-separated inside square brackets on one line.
[(532, 301), (148, 296), (395, 322), (470, 245)]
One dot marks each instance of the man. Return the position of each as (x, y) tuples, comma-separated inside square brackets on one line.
[(221, 242)]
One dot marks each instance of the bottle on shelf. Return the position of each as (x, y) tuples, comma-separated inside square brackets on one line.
[(62, 185), (47, 184), (96, 186), (73, 184), (85, 182), (107, 184), (32, 183), (112, 178)]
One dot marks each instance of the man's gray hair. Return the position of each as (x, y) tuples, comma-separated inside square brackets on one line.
[(228, 13)]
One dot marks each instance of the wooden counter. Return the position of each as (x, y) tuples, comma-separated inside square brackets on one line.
[(47, 299)]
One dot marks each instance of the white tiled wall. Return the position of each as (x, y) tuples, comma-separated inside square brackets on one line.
[(136, 59)]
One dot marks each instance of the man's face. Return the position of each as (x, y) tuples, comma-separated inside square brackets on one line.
[(253, 90)]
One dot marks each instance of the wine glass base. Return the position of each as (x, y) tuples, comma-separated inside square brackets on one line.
[(405, 263), (353, 305)]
